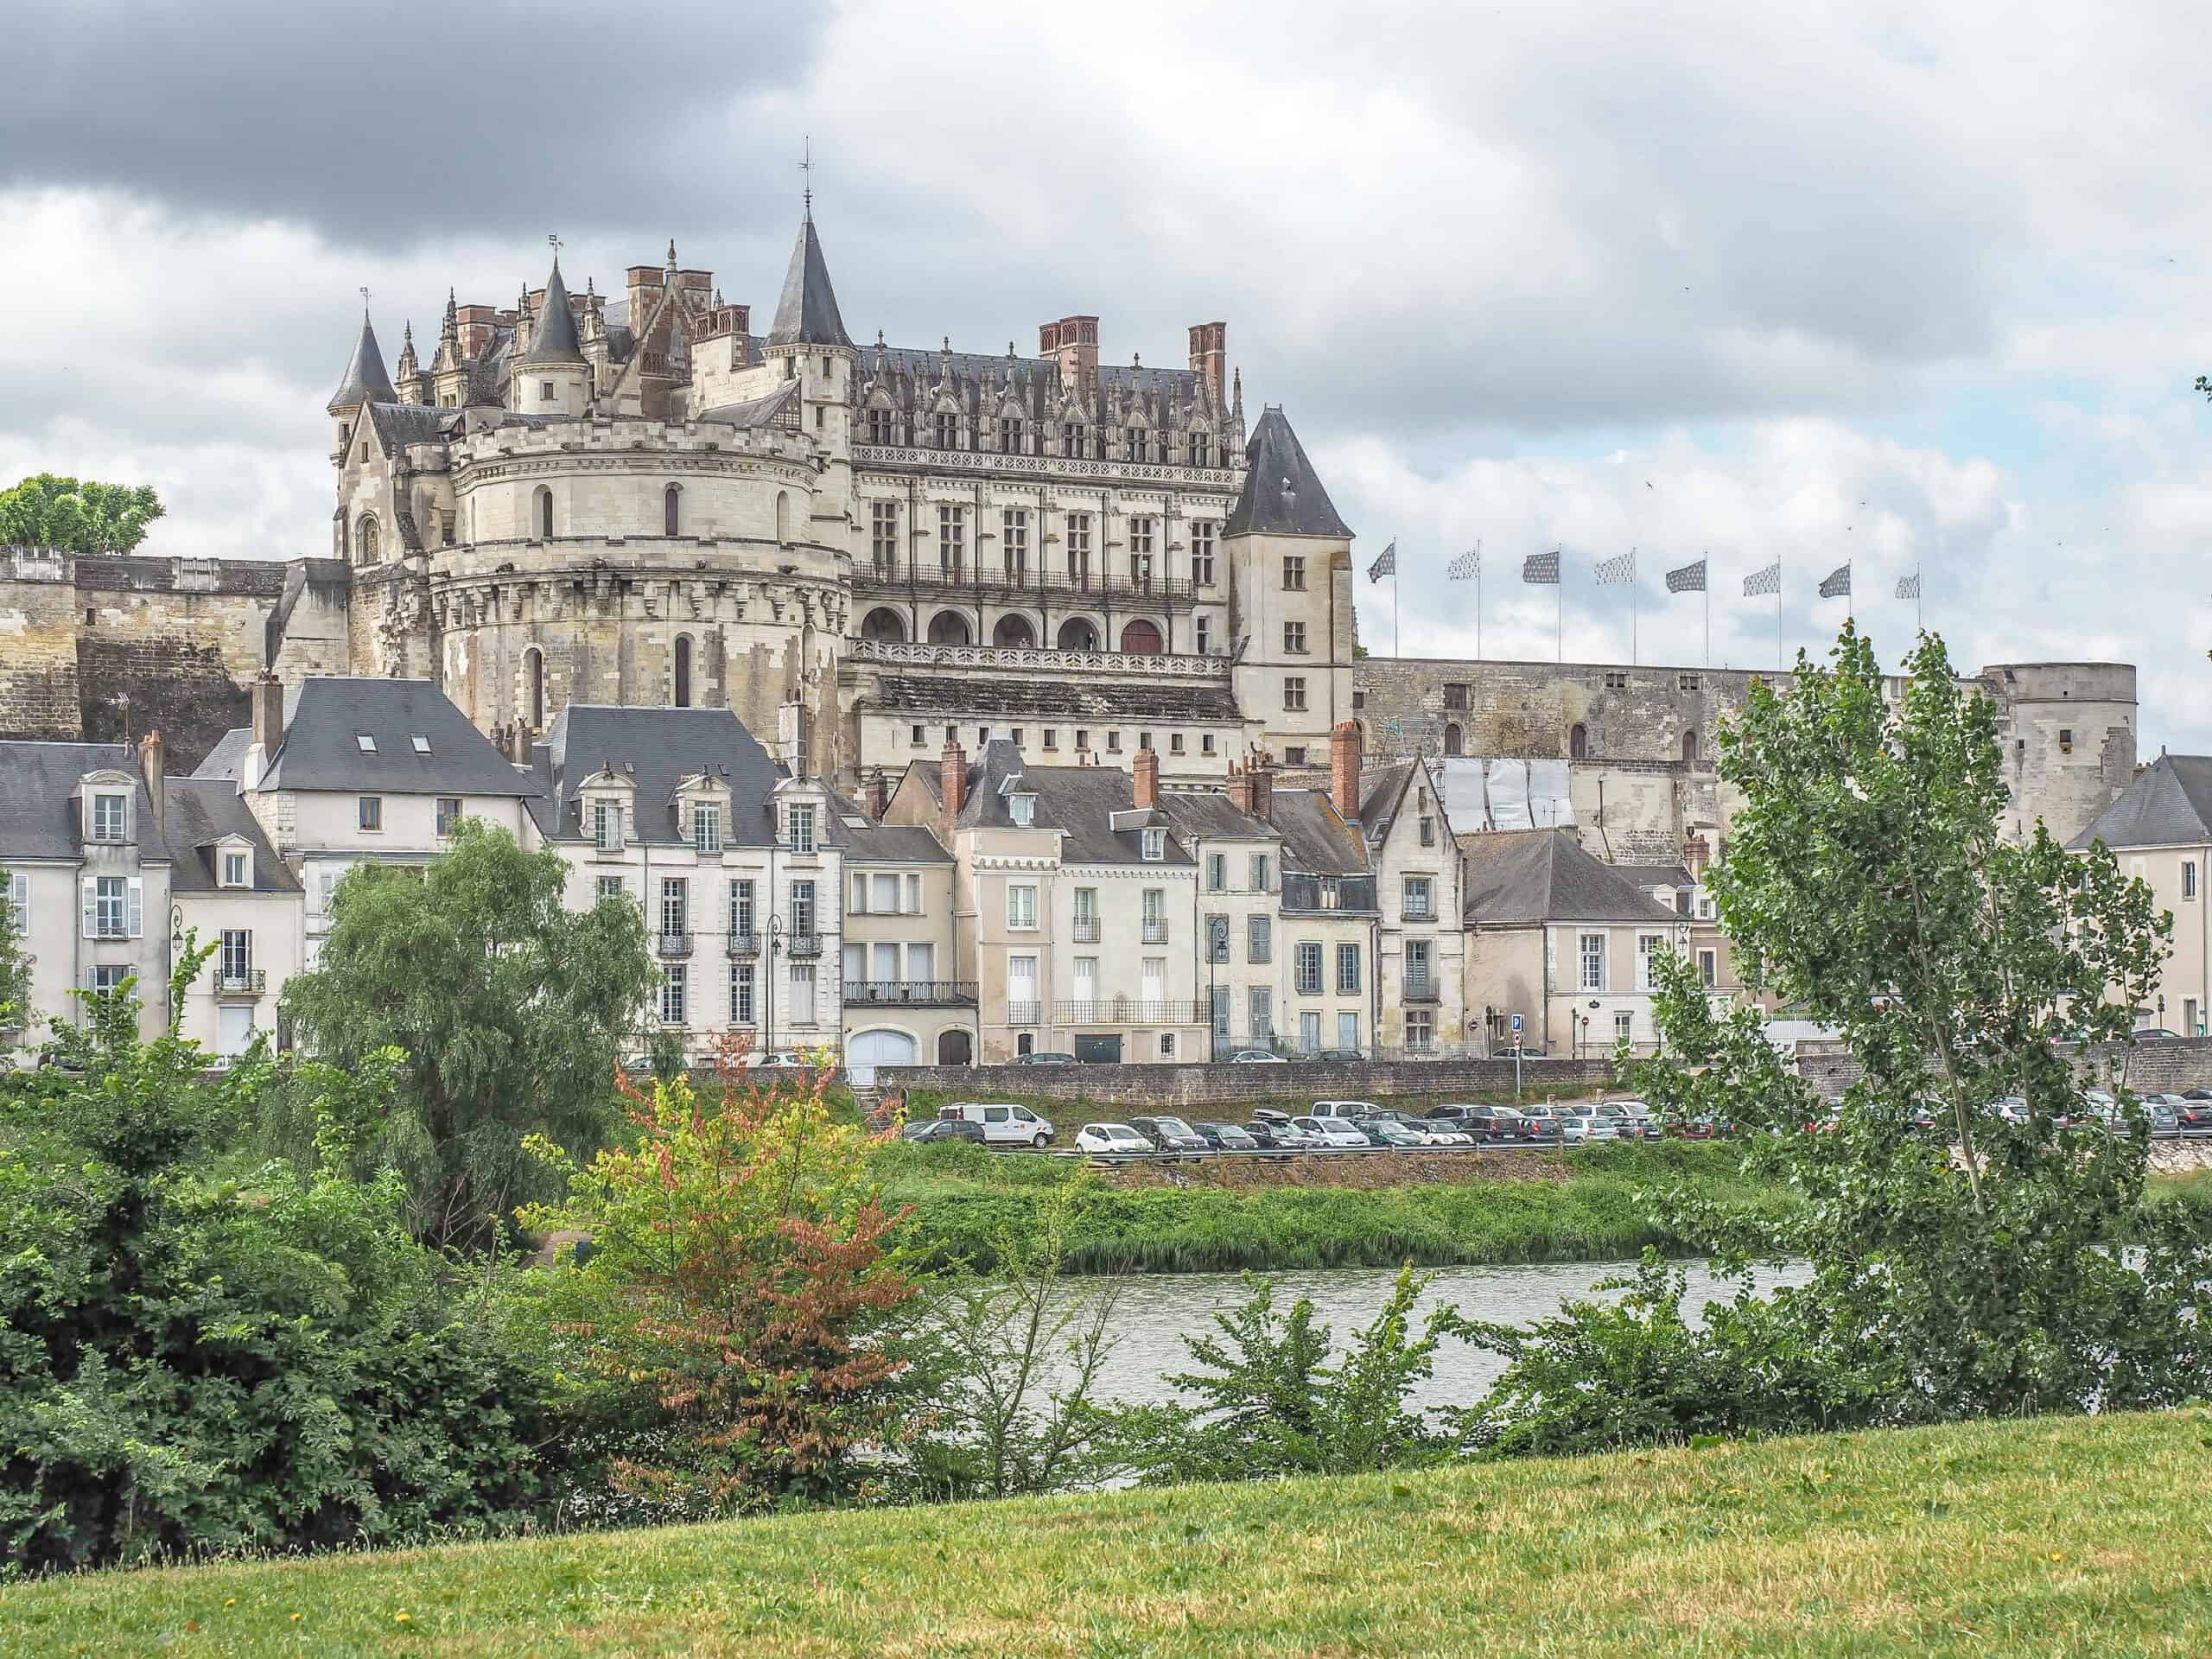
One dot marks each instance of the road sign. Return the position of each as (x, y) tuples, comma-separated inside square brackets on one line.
[(1517, 1025)]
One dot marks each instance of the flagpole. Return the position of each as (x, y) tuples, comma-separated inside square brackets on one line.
[(1633, 659), (1780, 661), (1707, 585), (1478, 602), (1559, 612), (1397, 615)]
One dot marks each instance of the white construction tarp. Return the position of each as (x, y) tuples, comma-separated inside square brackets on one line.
[(1499, 793)]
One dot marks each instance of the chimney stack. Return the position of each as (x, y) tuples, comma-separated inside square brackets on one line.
[(1346, 748), (1696, 854), (520, 741), (952, 778), (150, 766), (268, 704), (1144, 772), (1241, 786), (1209, 356), (875, 796), (1261, 770)]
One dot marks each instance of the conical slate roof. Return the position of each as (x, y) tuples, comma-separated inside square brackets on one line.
[(1282, 494), (807, 313), (366, 380), (555, 339)]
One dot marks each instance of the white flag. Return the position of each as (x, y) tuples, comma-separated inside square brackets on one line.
[(1615, 570)]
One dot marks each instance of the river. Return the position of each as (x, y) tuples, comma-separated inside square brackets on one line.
[(1156, 1312)]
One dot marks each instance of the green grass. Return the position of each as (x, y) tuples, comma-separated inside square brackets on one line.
[(2060, 1537), (961, 1195)]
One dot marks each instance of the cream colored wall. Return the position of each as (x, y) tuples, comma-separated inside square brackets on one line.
[(1621, 994), (1402, 854), (1505, 971), (62, 958), (2187, 975), (886, 741), (276, 922), (328, 820)]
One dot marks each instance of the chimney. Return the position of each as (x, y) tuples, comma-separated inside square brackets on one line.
[(1241, 784), (268, 704), (1144, 770), (1074, 341), (1696, 854), (518, 740), (795, 738), (1209, 356), (875, 796), (1345, 756), (952, 778), (1261, 770), (150, 768)]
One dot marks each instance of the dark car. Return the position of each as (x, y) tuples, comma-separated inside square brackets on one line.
[(942, 1128), (1227, 1137), (1496, 1125), (1345, 1054), (1387, 1132), (1045, 1059), (1170, 1133), (2193, 1113), (1518, 1052), (1265, 1135)]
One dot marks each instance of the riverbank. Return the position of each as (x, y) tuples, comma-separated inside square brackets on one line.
[(2061, 1536), (1497, 1209)]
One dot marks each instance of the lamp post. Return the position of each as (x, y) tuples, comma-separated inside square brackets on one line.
[(1217, 943), (774, 936)]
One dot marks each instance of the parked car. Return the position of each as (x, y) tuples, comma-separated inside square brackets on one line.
[(1280, 1134), (936, 1129), (1642, 1122), (1334, 1134), (1388, 1132), (1518, 1052), (2197, 1094), (1345, 1054), (1436, 1131), (1109, 1137), (1169, 1134), (782, 1060), (1003, 1126), (1345, 1108), (1503, 1126), (1226, 1137), (1045, 1059), (1574, 1128), (2192, 1113), (2012, 1109), (2155, 1034), (1255, 1057)]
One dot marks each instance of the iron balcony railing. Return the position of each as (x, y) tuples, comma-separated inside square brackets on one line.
[(672, 944), (1086, 929), (1419, 990), (744, 944), (910, 992), (1155, 930), (1129, 1011), (1025, 1013), (1027, 581), (249, 981), (1323, 894), (803, 944)]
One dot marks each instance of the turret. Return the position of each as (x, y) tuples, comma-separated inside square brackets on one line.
[(364, 381), (413, 382), (551, 377), (450, 367)]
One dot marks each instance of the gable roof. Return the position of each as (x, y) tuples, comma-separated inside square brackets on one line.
[(366, 379), (36, 818), (806, 314), (197, 814), (655, 749), (1079, 802), (1282, 494), (1516, 877), (2169, 804), (325, 716), (1315, 840)]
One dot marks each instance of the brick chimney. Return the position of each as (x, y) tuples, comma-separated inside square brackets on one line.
[(1696, 854), (267, 701), (1074, 341), (1261, 769), (952, 778), (150, 768), (1240, 788), (1144, 772), (1345, 754), (875, 796), (1209, 356)]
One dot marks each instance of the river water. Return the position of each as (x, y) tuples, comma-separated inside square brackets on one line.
[(1156, 1312)]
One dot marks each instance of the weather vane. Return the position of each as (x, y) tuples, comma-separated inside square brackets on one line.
[(554, 241), (364, 302), (806, 172)]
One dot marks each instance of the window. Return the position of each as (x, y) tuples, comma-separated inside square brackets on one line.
[(1455, 697), (741, 993), (1578, 743), (802, 908), (1166, 1045), (915, 907), (801, 995), (1420, 904), (675, 907), (1646, 945), (1258, 870), (236, 870), (545, 391), (2189, 878), (682, 677), (1708, 967), (1022, 809), (235, 962), (1021, 906), (1309, 970), (883, 535), (1141, 535), (1686, 682), (1216, 939), (802, 826), (368, 536), (1014, 528), (1347, 970), (1293, 692), (1133, 444), (1260, 1006), (1113, 742), (1623, 1025), (108, 816), (1417, 966), (1081, 739), (882, 426), (947, 430), (544, 514), (1202, 553), (1428, 832), (1154, 900), (1052, 737), (449, 814), (1616, 680), (2065, 740), (1205, 743), (1689, 748), (1455, 741), (1294, 638), (741, 909), (1205, 636), (1293, 572), (372, 811), (951, 538), (707, 828), (19, 901), (671, 515), (1072, 439), (1010, 435), (1593, 962), (609, 887), (365, 743), (1201, 449), (109, 976), (1359, 699), (1175, 742), (1156, 845), (1259, 938), (1216, 872), (1079, 546), (115, 907), (675, 992), (1144, 739)]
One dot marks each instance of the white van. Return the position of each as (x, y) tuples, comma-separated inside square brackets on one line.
[(1003, 1126), (1346, 1109)]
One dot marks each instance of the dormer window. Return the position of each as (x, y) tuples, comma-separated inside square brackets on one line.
[(1156, 845), (111, 816), (607, 826), (802, 826), (1022, 809), (237, 870), (422, 743), (707, 828), (365, 743)]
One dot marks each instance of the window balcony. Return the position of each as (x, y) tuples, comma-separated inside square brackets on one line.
[(1129, 1011), (673, 944), (1086, 929), (1319, 895), (1424, 913), (910, 992), (1025, 1013), (803, 946), (744, 944), (246, 984), (1155, 930), (1122, 589), (1418, 990)]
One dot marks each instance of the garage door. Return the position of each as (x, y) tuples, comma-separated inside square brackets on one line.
[(869, 1049)]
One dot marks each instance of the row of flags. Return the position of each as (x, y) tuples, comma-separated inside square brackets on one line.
[(1542, 569)]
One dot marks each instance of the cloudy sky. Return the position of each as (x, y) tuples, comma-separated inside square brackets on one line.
[(1910, 286)]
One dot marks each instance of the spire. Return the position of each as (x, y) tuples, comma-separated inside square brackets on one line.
[(366, 380), (807, 313), (555, 339), (1282, 494)]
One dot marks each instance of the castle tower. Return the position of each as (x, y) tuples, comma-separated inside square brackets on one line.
[(366, 381), (551, 378), (807, 344), (1289, 558)]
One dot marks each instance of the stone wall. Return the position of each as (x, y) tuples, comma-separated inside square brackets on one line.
[(2148, 1068), (1203, 1091)]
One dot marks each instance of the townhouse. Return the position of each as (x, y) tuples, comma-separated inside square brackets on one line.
[(2160, 829), (1422, 1006), (905, 1001)]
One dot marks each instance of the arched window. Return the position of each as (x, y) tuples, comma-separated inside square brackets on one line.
[(682, 687), (1078, 633), (1014, 632), (1578, 743), (533, 687), (884, 626), (1689, 748), (782, 516), (949, 628), (1141, 637), (1453, 740), (365, 541), (672, 514), (544, 514)]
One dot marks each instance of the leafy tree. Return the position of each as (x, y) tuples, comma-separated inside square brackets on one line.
[(15, 966), (196, 1357), (77, 516), (512, 1012), (1980, 1268), (728, 1338)]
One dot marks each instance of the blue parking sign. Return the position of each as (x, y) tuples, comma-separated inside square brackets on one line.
[(1517, 1025)]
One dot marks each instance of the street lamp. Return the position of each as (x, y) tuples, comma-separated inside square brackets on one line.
[(775, 939), (1217, 947)]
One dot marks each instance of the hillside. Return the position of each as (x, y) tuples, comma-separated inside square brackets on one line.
[(2062, 1537)]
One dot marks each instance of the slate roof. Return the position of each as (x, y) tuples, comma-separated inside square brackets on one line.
[(36, 818), (806, 314), (2169, 804), (887, 843), (779, 407), (1207, 814), (1315, 841), (656, 749), (398, 425), (1381, 787), (1282, 494), (967, 696), (228, 754), (1654, 876), (1080, 802), (325, 715), (366, 379), (1518, 877), (554, 340), (198, 812)]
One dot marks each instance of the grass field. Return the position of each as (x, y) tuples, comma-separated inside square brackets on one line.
[(959, 1195), (2057, 1537)]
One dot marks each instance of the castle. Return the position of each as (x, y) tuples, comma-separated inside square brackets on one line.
[(867, 551)]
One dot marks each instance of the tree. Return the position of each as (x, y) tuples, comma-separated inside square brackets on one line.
[(729, 1331), (512, 1011), (77, 516), (15, 966), (1982, 1267)]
